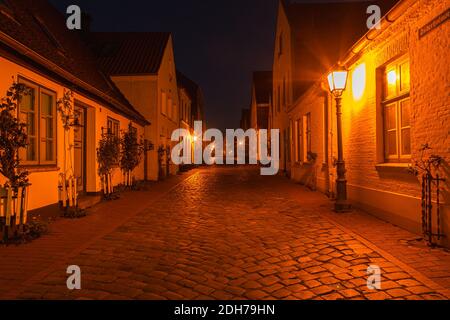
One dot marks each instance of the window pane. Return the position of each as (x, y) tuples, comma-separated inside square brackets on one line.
[(406, 141), (391, 117), (391, 143), (405, 112), (27, 101), (49, 128), (390, 82), (31, 127), (31, 149), (49, 150), (46, 104), (404, 76)]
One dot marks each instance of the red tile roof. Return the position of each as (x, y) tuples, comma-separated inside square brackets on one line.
[(130, 53), (35, 33), (195, 93)]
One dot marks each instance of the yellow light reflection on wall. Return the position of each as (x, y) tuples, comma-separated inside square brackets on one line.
[(359, 81), (392, 77)]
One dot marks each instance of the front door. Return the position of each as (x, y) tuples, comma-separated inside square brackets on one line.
[(80, 149)]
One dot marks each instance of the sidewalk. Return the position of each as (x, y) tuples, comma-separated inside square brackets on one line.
[(22, 265), (398, 243)]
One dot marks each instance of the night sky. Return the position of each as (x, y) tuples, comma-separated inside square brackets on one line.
[(217, 43)]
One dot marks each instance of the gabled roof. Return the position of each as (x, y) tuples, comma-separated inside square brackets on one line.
[(262, 83), (195, 93), (190, 86), (263, 118), (35, 34), (130, 53), (322, 33)]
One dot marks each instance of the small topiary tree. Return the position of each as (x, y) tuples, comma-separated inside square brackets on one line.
[(68, 182), (108, 156), (131, 152), (13, 137)]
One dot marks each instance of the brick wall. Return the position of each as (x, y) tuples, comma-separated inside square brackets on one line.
[(388, 191)]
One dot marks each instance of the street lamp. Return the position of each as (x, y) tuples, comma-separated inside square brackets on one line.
[(337, 81)]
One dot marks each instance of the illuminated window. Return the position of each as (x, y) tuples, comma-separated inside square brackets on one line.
[(397, 111), (306, 136), (37, 110), (290, 139), (298, 140)]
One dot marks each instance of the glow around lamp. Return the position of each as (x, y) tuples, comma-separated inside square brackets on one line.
[(337, 82)]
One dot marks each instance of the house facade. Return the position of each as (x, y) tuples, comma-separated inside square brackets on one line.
[(36, 49), (396, 101), (282, 76), (142, 65), (260, 101)]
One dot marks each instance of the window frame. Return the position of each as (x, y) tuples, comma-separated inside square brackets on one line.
[(40, 153), (54, 120), (115, 124), (298, 141), (395, 100), (306, 134)]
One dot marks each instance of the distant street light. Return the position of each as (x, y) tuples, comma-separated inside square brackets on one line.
[(337, 81)]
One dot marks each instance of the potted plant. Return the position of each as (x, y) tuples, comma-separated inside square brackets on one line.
[(108, 156), (131, 153), (13, 137), (68, 181)]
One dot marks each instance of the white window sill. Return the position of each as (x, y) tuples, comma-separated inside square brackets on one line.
[(393, 167)]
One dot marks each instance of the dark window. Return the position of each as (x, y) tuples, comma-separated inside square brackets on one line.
[(113, 127)]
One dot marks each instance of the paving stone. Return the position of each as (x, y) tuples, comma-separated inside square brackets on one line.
[(397, 293), (226, 233), (378, 296)]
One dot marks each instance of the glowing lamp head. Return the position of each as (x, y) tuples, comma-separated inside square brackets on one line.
[(337, 81)]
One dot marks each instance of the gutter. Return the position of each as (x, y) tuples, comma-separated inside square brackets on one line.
[(386, 21), (55, 68)]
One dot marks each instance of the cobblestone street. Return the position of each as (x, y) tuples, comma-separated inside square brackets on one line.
[(229, 233)]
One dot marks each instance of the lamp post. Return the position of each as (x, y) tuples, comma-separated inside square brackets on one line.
[(337, 81)]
